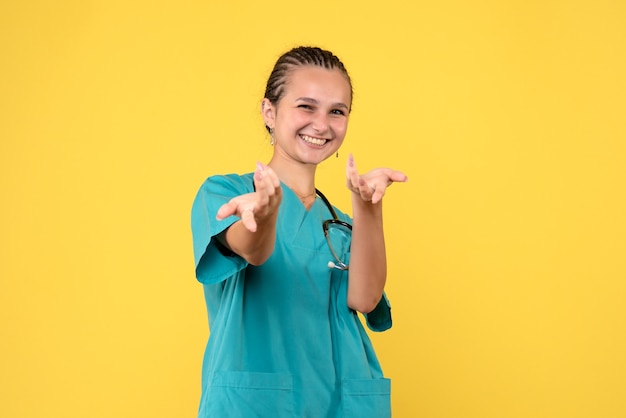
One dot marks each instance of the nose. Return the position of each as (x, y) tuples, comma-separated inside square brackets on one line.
[(320, 122)]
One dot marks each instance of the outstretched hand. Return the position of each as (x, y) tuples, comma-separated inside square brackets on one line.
[(258, 205), (371, 186)]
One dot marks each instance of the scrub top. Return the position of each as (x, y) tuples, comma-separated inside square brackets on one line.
[(283, 341)]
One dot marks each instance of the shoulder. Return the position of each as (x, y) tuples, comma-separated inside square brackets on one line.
[(228, 184)]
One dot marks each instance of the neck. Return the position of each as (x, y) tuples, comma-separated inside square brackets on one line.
[(300, 178)]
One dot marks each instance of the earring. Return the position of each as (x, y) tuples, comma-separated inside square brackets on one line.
[(337, 155), (271, 136)]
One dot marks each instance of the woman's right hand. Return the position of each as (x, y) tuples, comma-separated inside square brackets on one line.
[(255, 207)]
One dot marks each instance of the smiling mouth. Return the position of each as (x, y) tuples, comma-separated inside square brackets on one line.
[(313, 141)]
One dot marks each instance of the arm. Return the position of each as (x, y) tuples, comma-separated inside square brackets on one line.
[(254, 235), (368, 260)]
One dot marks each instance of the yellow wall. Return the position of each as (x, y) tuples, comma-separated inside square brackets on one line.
[(507, 247)]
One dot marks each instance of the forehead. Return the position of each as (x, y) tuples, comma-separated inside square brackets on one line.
[(319, 83)]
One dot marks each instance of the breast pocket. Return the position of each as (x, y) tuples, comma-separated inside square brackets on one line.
[(249, 395), (366, 398)]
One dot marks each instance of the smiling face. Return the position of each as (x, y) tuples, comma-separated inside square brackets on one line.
[(311, 118)]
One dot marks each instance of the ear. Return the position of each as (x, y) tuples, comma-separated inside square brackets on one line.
[(268, 111)]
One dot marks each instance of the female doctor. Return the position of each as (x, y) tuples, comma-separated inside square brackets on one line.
[(285, 273)]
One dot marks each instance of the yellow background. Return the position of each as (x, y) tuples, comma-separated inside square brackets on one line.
[(506, 248)]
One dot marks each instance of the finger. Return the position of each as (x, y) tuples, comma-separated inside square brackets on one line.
[(277, 192), (352, 175), (392, 176), (269, 183), (247, 218), (378, 194), (261, 185), (397, 176), (258, 176), (357, 183), (267, 171), (226, 210), (364, 190)]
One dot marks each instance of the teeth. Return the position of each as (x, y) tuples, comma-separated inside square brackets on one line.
[(311, 140)]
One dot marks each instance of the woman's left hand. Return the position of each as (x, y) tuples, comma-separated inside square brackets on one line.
[(372, 185)]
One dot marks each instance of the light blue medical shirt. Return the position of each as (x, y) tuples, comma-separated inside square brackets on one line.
[(283, 341)]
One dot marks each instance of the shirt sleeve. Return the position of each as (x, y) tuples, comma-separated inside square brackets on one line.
[(213, 262), (380, 318)]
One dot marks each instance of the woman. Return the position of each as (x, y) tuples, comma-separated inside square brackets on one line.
[(282, 280)]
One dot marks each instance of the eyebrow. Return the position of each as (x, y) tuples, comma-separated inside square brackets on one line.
[(313, 101)]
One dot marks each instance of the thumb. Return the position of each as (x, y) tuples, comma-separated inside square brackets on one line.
[(226, 210), (397, 176)]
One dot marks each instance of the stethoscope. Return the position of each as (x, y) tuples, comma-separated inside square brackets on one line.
[(337, 264)]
